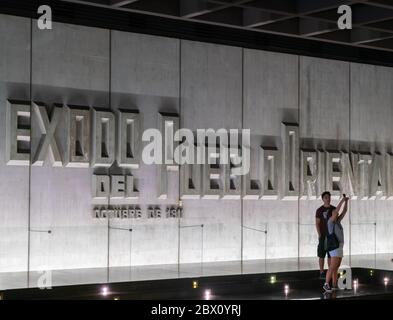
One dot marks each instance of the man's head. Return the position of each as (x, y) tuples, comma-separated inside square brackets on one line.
[(326, 198)]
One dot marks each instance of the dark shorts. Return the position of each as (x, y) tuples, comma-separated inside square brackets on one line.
[(321, 248)]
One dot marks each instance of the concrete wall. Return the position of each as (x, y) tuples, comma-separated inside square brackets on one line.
[(14, 83), (145, 77), (371, 115), (211, 97), (270, 98), (337, 105), (324, 124), (81, 56)]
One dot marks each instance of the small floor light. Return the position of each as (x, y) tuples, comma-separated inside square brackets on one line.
[(208, 294), (195, 284), (385, 281), (273, 279), (104, 291), (286, 289), (355, 284)]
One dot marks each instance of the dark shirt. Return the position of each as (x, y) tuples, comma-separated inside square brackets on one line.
[(324, 213)]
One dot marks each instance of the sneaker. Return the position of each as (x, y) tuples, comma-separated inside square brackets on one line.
[(326, 287)]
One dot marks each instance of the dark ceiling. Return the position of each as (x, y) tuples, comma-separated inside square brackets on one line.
[(302, 27), (307, 19)]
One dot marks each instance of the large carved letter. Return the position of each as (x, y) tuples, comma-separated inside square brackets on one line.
[(253, 179), (270, 165), (132, 191), (309, 174), (378, 185), (103, 138), (349, 180), (167, 125), (48, 140), (290, 161), (78, 137), (389, 175), (101, 186), (128, 152), (213, 175), (232, 182), (190, 181), (334, 173), (18, 133), (361, 165)]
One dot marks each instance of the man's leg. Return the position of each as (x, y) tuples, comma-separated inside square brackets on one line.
[(321, 255)]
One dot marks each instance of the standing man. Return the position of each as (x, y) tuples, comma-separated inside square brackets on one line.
[(321, 217)]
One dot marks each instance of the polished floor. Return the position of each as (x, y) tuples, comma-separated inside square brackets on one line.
[(292, 285), (57, 278)]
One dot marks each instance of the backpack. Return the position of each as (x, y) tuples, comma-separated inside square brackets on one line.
[(332, 242)]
